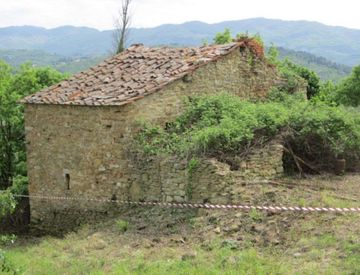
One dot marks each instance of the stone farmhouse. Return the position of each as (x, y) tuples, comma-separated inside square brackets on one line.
[(77, 131)]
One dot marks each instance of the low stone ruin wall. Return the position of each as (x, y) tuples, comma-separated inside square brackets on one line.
[(167, 179)]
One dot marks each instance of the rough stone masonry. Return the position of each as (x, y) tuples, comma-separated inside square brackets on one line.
[(77, 135)]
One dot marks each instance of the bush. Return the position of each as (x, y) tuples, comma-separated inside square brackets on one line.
[(225, 126), (7, 203), (214, 125), (5, 264), (327, 94), (7, 239), (334, 127)]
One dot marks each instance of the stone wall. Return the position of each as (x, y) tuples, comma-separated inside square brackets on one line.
[(170, 179), (80, 151)]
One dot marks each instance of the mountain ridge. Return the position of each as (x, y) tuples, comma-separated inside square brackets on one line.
[(189, 22), (327, 70), (336, 43)]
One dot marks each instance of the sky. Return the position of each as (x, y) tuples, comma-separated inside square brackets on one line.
[(101, 14)]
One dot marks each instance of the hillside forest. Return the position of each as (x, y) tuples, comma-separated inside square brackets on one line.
[(326, 122), (329, 51)]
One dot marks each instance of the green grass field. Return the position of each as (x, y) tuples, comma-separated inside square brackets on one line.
[(163, 241)]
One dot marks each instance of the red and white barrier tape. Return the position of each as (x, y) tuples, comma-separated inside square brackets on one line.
[(203, 205)]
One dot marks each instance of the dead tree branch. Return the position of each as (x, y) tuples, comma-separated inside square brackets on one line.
[(122, 26)]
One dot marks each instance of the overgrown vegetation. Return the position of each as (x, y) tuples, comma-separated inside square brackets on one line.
[(291, 72), (315, 132), (192, 165), (252, 42), (225, 126)]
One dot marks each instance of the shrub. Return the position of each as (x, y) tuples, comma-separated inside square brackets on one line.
[(7, 203), (254, 43), (214, 125), (334, 127), (7, 239), (224, 126), (327, 94), (5, 265)]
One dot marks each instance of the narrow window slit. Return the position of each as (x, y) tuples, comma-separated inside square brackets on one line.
[(67, 181)]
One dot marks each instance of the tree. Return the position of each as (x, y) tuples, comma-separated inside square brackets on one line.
[(349, 89), (13, 86), (273, 55), (122, 25), (312, 79), (328, 94), (223, 37)]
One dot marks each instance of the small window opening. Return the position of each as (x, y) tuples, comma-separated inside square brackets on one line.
[(67, 181), (113, 198)]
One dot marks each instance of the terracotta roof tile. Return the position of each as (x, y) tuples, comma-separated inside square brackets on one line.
[(136, 72)]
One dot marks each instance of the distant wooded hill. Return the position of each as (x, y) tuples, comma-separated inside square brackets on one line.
[(72, 49), (338, 44), (39, 58), (327, 70)]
